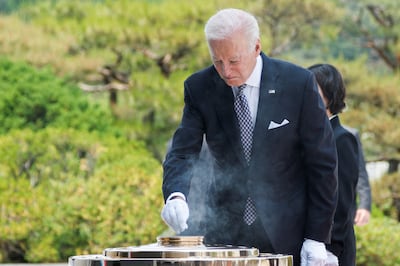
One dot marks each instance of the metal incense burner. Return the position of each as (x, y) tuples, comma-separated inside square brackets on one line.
[(182, 251)]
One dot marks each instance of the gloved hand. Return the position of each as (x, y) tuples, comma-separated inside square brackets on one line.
[(176, 213), (313, 253), (332, 260)]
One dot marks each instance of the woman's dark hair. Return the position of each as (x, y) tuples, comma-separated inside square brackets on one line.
[(331, 83)]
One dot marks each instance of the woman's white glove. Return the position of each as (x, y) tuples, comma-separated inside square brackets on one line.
[(332, 260), (313, 253), (176, 213)]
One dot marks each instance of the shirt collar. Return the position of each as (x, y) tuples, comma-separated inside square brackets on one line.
[(332, 117), (255, 77)]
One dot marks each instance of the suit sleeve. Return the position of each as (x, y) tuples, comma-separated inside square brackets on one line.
[(184, 151), (363, 186), (320, 159), (348, 173)]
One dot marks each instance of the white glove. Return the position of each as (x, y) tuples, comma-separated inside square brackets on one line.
[(176, 213), (332, 260), (313, 253)]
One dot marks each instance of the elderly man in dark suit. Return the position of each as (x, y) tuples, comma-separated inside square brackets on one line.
[(275, 166)]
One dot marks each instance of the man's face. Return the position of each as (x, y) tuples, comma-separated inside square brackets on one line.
[(233, 59)]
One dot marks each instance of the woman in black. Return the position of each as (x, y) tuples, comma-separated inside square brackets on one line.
[(342, 249)]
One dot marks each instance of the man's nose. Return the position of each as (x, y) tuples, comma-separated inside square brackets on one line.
[(226, 70)]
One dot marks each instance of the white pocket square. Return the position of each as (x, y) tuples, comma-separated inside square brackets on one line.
[(273, 124)]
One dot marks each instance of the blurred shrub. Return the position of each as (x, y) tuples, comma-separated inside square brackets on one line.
[(378, 243), (35, 99), (386, 194), (65, 192), (8, 6)]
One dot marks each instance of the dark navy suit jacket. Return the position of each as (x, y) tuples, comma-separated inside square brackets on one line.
[(343, 238), (292, 176)]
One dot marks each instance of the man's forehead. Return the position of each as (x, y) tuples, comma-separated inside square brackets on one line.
[(232, 57)]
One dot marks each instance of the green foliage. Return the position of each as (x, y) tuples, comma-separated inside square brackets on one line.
[(284, 28), (375, 25), (378, 243), (373, 101), (151, 109), (386, 195), (8, 6), (134, 24), (36, 99), (65, 192)]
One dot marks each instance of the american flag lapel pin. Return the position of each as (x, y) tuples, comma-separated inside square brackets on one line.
[(271, 91)]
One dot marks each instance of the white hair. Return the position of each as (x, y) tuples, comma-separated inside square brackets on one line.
[(227, 21)]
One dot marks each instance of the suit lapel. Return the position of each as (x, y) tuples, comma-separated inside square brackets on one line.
[(269, 91), (226, 115)]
